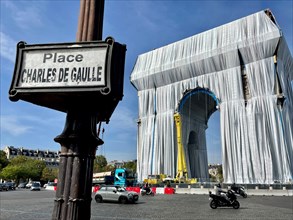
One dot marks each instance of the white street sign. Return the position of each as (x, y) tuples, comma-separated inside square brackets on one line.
[(70, 67)]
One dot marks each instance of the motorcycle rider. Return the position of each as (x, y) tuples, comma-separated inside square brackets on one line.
[(147, 188), (238, 189), (234, 187), (221, 192)]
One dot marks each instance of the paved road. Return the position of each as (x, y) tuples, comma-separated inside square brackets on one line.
[(24, 204)]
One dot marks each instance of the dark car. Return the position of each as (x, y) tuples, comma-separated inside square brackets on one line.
[(3, 187), (10, 185)]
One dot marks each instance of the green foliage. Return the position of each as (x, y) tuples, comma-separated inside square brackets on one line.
[(3, 160), (131, 165), (49, 174), (220, 174), (213, 178), (100, 164), (110, 168), (22, 167), (18, 160)]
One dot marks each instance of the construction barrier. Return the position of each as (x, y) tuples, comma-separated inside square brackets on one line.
[(135, 189), (169, 190), (96, 188)]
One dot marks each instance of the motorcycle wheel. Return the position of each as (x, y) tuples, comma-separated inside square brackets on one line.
[(244, 195), (236, 204), (213, 204)]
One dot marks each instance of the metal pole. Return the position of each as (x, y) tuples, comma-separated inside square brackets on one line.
[(79, 138), (90, 22)]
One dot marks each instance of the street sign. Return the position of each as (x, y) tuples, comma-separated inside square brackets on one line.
[(73, 67), (70, 75)]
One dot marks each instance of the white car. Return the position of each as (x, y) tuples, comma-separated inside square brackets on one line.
[(36, 186), (116, 193)]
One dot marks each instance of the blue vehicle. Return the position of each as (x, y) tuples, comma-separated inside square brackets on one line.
[(124, 177), (118, 177)]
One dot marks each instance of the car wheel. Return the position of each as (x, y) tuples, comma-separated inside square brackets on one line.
[(98, 198), (213, 204), (123, 200)]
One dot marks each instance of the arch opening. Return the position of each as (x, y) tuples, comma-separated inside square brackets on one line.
[(195, 109)]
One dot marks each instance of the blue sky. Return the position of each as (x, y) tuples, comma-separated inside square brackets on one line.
[(142, 26)]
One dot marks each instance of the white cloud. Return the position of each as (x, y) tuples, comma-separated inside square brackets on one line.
[(7, 47), (13, 126), (25, 16)]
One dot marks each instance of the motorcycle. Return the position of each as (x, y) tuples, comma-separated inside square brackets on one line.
[(239, 190), (221, 201), (144, 192)]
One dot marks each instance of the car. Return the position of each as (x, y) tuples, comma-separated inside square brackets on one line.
[(3, 187), (29, 184), (50, 186), (10, 185), (22, 185), (115, 193), (36, 186)]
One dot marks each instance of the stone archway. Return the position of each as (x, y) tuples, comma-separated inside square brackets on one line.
[(195, 108)]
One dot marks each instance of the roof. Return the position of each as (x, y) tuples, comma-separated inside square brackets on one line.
[(211, 51)]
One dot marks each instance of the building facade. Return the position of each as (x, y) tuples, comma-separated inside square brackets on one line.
[(51, 158)]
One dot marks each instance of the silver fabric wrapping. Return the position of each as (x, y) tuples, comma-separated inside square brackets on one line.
[(256, 137)]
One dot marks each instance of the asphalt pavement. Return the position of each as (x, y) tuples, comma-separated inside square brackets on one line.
[(24, 204)]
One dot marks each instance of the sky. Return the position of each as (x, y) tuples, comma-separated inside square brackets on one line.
[(142, 26)]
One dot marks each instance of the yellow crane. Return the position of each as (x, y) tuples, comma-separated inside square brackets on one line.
[(182, 173)]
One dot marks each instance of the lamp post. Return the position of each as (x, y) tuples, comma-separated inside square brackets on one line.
[(79, 139), (84, 79)]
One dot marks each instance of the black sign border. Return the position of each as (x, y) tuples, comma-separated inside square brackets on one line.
[(16, 91)]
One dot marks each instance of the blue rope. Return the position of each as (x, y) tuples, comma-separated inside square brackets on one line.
[(196, 91), (153, 139)]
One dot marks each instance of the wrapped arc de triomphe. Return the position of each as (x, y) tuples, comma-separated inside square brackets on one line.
[(244, 70)]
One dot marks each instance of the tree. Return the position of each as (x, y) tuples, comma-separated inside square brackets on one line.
[(49, 174), (220, 174), (3, 160), (22, 167), (100, 164), (131, 165)]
